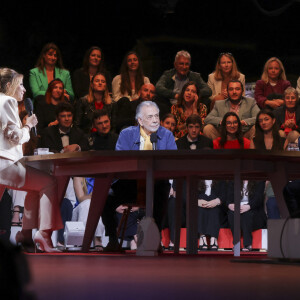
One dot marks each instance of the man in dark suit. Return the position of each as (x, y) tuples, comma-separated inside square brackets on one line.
[(193, 140), (103, 138), (63, 138)]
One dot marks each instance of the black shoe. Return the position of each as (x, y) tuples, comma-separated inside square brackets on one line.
[(204, 246), (247, 249), (214, 247)]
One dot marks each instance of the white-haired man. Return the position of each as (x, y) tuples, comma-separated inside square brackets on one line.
[(171, 82), (138, 137), (125, 191)]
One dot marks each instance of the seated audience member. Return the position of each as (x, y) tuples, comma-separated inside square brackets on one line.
[(169, 122), (245, 108), (187, 105), (45, 111), (226, 70), (266, 132), (192, 140), (148, 93), (103, 138), (231, 134), (172, 81), (48, 67), (93, 63), (291, 195), (267, 138), (270, 88), (288, 116), (131, 79), (83, 189), (64, 137), (252, 212), (98, 98), (125, 191), (210, 197), (124, 109)]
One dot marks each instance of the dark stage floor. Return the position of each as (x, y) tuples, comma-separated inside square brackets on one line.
[(205, 276)]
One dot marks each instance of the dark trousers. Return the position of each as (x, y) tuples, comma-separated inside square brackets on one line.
[(5, 217), (272, 208), (125, 192), (246, 225), (171, 216), (66, 210), (209, 221), (291, 194)]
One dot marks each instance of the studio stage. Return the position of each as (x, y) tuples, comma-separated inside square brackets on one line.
[(168, 276)]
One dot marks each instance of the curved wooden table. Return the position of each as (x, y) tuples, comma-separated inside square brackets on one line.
[(237, 165)]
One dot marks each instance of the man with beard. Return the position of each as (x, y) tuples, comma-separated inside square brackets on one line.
[(246, 108), (103, 138)]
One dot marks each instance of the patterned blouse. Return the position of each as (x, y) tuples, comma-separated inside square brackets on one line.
[(178, 112)]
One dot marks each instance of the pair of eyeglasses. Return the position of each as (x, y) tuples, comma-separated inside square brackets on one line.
[(225, 53)]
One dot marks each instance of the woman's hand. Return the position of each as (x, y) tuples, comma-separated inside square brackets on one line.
[(224, 94), (290, 123), (53, 123), (120, 209), (274, 103), (231, 206), (195, 104), (212, 203), (66, 95), (219, 97), (31, 121), (244, 208)]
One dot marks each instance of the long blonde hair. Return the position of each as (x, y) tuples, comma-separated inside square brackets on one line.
[(265, 77), (9, 81)]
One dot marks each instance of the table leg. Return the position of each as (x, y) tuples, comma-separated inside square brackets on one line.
[(178, 213), (149, 188), (237, 204), (191, 215), (2, 190), (99, 196)]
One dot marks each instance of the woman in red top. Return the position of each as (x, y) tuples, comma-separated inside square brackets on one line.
[(231, 134)]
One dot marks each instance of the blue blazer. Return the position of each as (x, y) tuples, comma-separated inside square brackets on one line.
[(129, 139), (38, 81)]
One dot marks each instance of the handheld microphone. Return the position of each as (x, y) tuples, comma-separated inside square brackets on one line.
[(153, 140), (29, 108)]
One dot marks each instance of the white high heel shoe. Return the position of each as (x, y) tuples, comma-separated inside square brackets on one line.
[(41, 243)]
